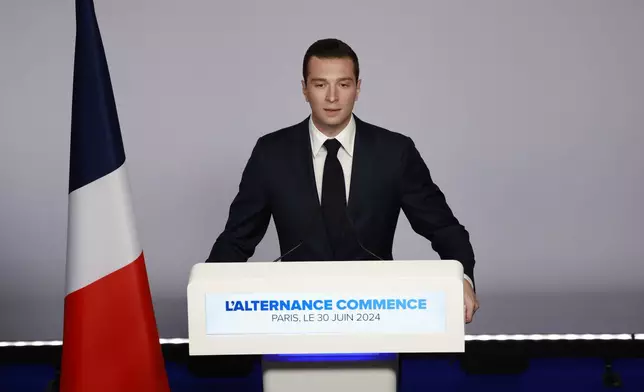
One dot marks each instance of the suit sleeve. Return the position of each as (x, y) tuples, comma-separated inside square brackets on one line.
[(248, 216), (426, 208)]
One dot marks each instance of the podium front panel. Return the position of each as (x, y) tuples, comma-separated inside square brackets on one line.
[(326, 307)]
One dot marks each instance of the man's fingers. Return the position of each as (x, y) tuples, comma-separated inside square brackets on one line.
[(471, 306), (469, 311)]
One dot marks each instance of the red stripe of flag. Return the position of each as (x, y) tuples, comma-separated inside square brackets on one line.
[(111, 342)]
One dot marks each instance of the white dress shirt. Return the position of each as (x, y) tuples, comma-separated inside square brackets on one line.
[(345, 154), (347, 138)]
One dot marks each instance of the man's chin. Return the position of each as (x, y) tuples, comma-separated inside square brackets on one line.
[(335, 123), (336, 120)]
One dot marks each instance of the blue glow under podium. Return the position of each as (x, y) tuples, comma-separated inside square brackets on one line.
[(327, 326)]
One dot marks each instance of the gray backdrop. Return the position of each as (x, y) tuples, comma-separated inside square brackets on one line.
[(529, 115)]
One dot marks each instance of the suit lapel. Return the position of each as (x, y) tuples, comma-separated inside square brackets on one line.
[(361, 171), (310, 199), (304, 161)]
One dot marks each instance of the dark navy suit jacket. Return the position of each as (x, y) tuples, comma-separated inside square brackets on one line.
[(388, 176)]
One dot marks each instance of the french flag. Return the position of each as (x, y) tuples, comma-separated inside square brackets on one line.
[(110, 337)]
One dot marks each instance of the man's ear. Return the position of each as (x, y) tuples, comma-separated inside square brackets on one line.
[(358, 84), (306, 98)]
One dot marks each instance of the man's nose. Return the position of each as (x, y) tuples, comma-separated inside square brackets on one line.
[(331, 94)]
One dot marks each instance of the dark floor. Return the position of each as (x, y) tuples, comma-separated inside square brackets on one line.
[(515, 370), (587, 374)]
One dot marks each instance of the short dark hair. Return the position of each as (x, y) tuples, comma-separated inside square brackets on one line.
[(330, 48)]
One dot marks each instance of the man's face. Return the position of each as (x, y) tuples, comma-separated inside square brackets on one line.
[(331, 90)]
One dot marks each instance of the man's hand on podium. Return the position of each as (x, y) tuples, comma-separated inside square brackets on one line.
[(471, 303)]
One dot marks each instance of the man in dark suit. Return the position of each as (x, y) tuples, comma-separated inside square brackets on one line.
[(335, 184)]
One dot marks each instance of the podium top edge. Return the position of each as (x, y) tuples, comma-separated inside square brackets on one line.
[(261, 269)]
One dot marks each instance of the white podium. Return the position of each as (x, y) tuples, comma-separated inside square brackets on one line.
[(327, 326)]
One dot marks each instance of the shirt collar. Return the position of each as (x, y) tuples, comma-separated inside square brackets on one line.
[(346, 137)]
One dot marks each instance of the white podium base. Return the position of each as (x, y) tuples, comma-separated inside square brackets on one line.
[(374, 375)]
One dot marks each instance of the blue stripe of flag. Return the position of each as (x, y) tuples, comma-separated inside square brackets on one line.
[(96, 143)]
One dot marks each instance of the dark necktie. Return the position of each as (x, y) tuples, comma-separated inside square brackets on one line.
[(334, 198)]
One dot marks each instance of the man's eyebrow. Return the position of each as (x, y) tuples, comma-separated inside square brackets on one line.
[(324, 80)]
